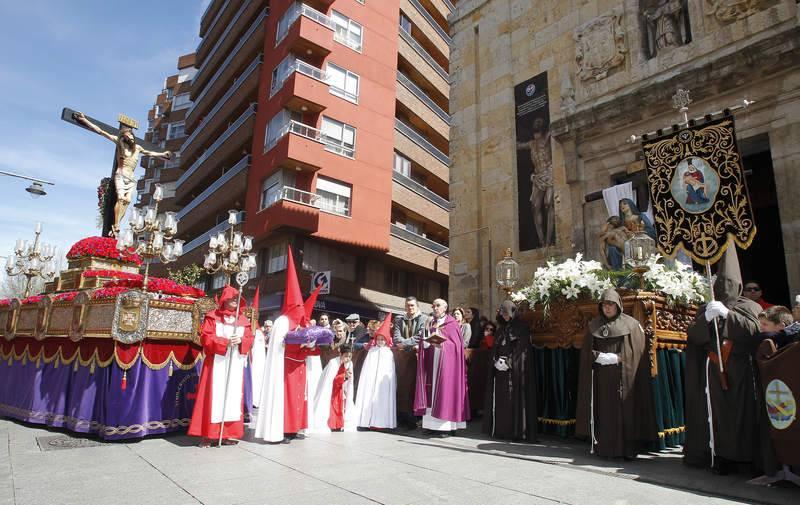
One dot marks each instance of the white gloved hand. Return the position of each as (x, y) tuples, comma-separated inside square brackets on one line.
[(716, 309), (501, 365), (607, 358)]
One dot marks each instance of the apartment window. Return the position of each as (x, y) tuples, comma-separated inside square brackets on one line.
[(402, 165), (176, 130), (169, 93), (276, 129), (319, 257), (277, 259), (334, 196), (157, 113), (394, 282), (181, 101), (348, 32), (219, 281), (339, 137), (405, 23), (280, 73), (411, 225), (271, 190), (342, 83)]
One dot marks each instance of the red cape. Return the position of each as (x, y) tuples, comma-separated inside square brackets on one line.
[(201, 425)]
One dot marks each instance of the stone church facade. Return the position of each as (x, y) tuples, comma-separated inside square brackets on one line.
[(612, 68)]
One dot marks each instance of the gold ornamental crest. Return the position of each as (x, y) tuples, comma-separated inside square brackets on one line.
[(130, 317)]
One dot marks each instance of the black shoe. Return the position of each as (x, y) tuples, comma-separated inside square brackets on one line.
[(362, 428), (299, 436), (285, 440)]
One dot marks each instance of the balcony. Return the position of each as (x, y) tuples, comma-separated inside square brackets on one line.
[(226, 41), (218, 196), (300, 67), (236, 137), (423, 97), (421, 190), (421, 141), (203, 238), (417, 240), (424, 24), (305, 30), (425, 55), (298, 146), (209, 15), (247, 46), (302, 92), (243, 90), (410, 58), (291, 208)]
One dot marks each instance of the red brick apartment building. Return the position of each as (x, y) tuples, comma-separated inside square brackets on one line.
[(325, 122)]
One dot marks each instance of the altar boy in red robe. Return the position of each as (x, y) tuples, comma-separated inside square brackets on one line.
[(226, 341)]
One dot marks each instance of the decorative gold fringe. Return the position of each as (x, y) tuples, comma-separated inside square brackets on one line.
[(556, 422), (671, 431)]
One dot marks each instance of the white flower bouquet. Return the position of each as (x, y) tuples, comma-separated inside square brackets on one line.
[(679, 284), (568, 280)]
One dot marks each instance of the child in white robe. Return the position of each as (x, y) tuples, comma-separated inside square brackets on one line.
[(334, 407), (376, 400)]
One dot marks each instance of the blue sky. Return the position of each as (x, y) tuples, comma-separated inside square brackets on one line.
[(97, 56)]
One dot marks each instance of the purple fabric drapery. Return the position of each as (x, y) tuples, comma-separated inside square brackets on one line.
[(93, 401), (451, 401)]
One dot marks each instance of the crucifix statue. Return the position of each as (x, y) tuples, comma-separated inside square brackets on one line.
[(128, 149)]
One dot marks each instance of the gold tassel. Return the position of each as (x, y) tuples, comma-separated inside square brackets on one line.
[(75, 366), (56, 360), (91, 367), (170, 368), (24, 358)]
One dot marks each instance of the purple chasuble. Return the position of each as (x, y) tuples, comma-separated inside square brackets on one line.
[(451, 402)]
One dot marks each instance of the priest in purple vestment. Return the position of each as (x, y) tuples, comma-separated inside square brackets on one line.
[(441, 396)]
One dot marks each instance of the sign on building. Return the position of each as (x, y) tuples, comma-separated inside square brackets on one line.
[(324, 279)]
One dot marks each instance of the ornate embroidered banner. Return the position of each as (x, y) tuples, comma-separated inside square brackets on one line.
[(698, 190)]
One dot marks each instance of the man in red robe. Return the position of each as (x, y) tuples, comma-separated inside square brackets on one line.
[(226, 340)]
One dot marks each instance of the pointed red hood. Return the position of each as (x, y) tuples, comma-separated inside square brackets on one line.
[(228, 293), (312, 300), (384, 329), (293, 298)]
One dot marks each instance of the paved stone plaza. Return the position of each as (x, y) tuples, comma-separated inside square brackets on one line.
[(37, 466)]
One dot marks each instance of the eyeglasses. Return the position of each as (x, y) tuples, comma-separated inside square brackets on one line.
[(752, 288)]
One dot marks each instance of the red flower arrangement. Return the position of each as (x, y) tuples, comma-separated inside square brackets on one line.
[(5, 301), (114, 274), (66, 297), (32, 299), (102, 247), (158, 285)]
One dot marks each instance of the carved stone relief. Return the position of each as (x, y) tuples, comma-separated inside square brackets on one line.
[(600, 46), (727, 11)]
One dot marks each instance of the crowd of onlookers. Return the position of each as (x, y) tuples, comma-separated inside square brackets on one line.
[(477, 331)]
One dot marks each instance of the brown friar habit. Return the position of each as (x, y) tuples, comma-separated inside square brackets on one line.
[(624, 414), (510, 400), (735, 411)]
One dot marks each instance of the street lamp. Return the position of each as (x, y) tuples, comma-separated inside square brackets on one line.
[(32, 260), (152, 234), (35, 189), (638, 250), (230, 254), (507, 273)]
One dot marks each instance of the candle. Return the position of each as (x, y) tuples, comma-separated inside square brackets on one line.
[(638, 253), (232, 217), (38, 227), (158, 193), (178, 247)]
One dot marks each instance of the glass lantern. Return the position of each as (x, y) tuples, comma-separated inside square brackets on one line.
[(638, 250), (507, 273)]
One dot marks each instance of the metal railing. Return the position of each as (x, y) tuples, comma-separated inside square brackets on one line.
[(412, 237), (228, 59), (222, 37), (212, 24), (205, 11), (213, 147), (417, 91), (293, 13), (421, 190), (297, 128), (227, 176), (204, 237), (450, 5), (237, 83), (425, 55), (427, 15), (295, 195), (421, 141), (301, 67)]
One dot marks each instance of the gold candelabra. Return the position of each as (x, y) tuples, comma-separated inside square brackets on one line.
[(230, 252), (32, 260)]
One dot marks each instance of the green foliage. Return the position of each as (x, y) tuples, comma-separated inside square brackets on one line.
[(188, 275)]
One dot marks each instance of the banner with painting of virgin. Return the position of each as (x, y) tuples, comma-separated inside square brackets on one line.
[(698, 191)]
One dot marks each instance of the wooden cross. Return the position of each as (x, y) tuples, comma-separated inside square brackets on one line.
[(68, 115)]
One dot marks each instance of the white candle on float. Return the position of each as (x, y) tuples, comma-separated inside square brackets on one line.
[(158, 193), (38, 227)]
